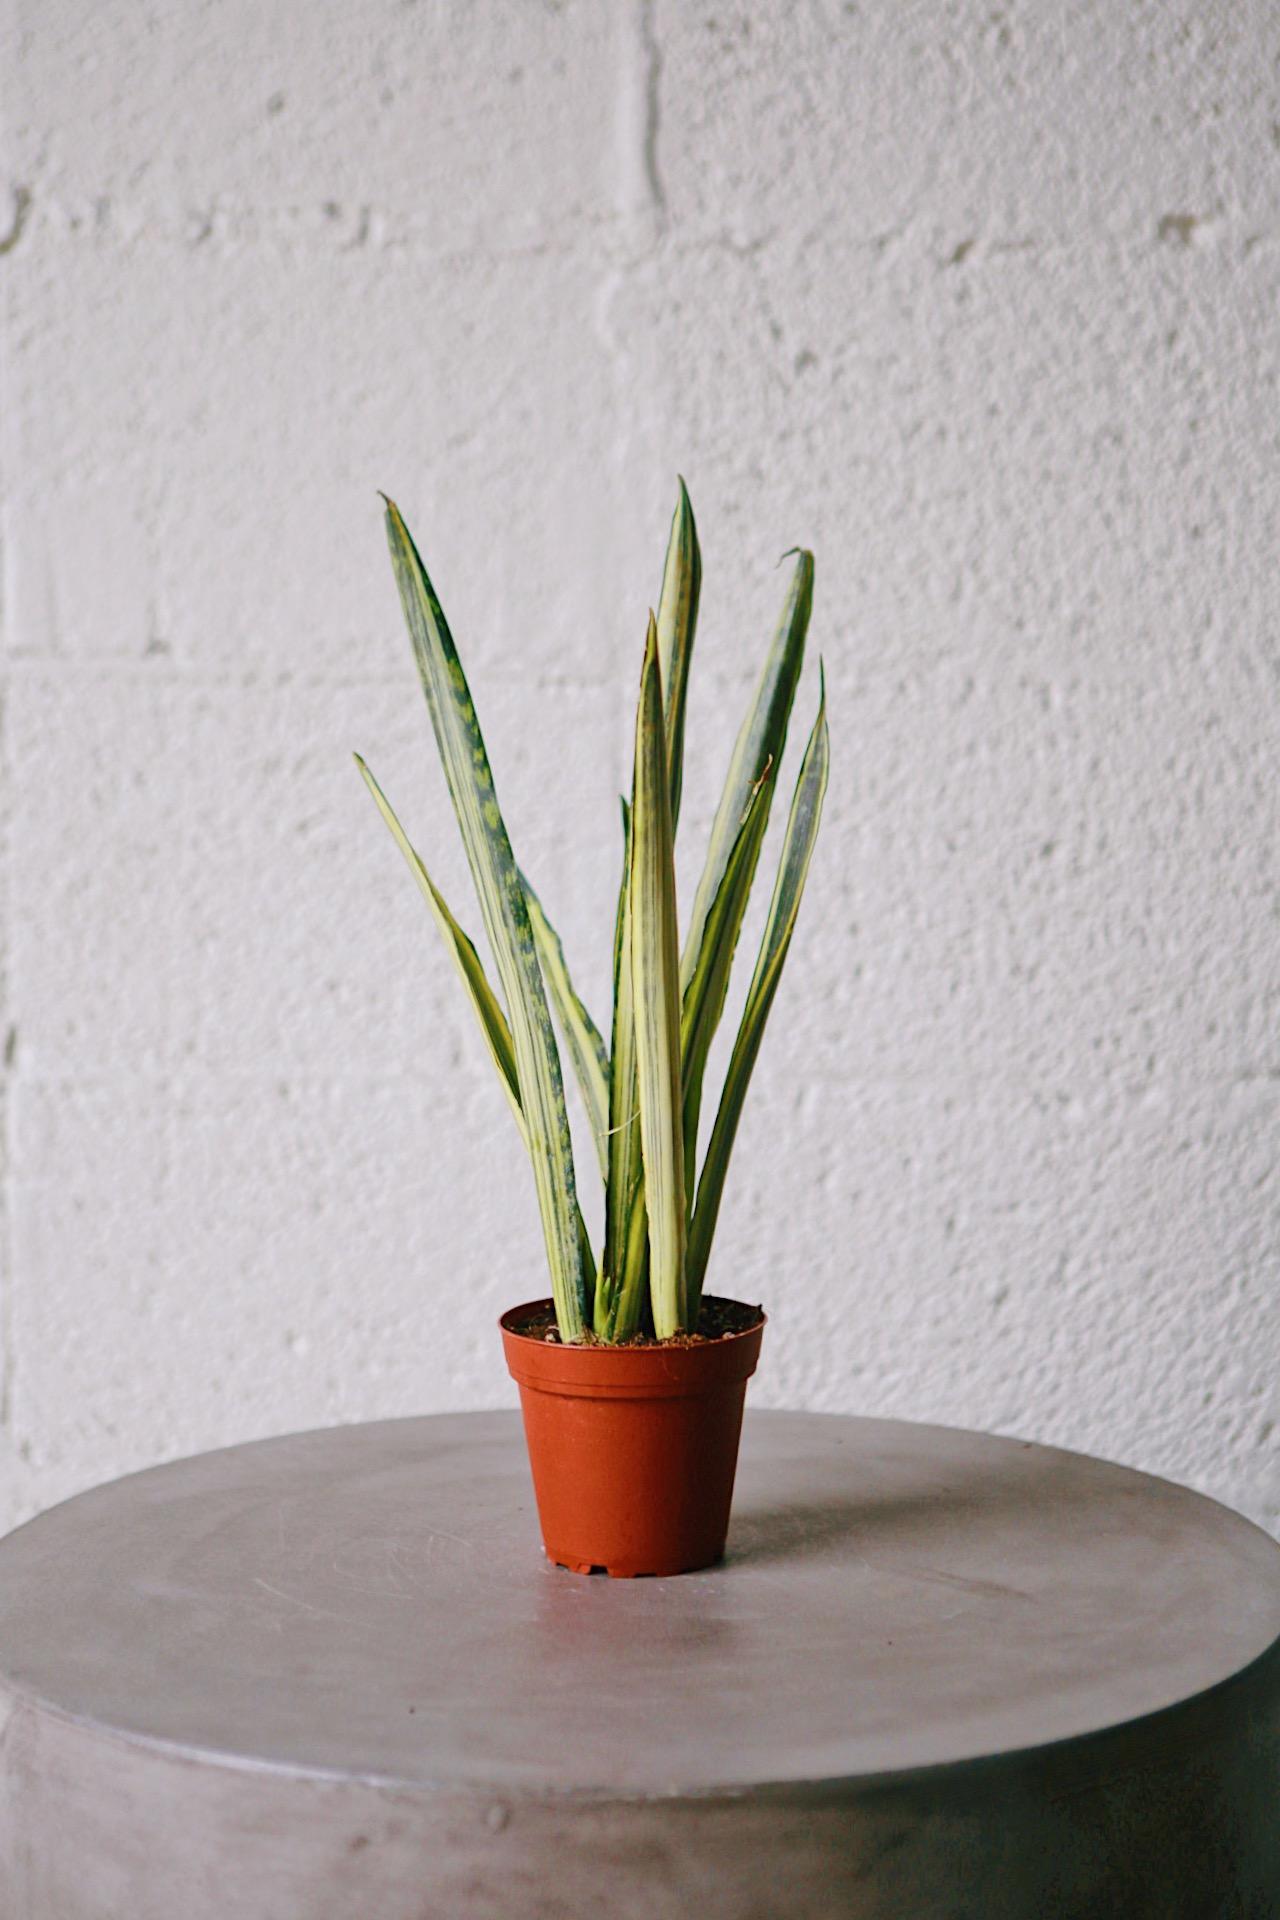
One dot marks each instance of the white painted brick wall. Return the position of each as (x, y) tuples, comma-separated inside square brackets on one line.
[(981, 303)]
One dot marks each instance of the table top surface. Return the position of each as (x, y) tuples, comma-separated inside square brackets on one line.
[(372, 1602)]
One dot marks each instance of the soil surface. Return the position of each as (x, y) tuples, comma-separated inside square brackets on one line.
[(718, 1320)]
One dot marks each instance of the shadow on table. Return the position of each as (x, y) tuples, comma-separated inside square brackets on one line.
[(913, 1519)]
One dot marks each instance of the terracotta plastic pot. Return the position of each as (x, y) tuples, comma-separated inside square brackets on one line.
[(633, 1448)]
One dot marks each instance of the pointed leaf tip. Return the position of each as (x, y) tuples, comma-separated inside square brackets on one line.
[(762, 737), (677, 624)]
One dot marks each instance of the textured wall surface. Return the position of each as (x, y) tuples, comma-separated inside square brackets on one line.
[(981, 303)]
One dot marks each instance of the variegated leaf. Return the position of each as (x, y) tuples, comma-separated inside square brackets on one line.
[(506, 918), (616, 1302), (655, 969), (704, 997), (793, 866), (760, 741), (581, 1035), (677, 623), (489, 1015)]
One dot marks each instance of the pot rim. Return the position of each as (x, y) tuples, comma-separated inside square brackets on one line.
[(659, 1369), (509, 1323)]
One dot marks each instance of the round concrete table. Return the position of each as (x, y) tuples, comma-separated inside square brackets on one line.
[(938, 1674)]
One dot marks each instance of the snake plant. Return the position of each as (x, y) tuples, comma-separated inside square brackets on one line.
[(642, 1091)]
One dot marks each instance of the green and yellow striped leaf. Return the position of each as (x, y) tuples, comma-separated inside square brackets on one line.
[(506, 919), (623, 1292), (761, 740), (633, 1307), (623, 1176), (793, 866), (492, 1020), (704, 997), (677, 622), (581, 1035), (655, 977)]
